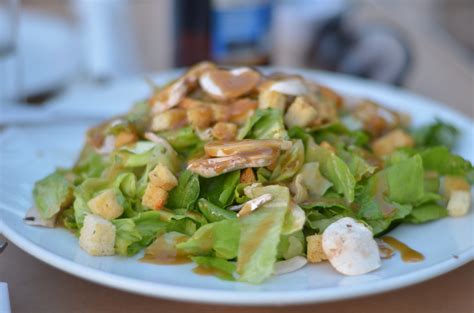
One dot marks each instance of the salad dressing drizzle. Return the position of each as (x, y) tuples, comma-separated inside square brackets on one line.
[(163, 255), (407, 253)]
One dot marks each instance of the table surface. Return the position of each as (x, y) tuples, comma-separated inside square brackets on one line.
[(36, 287)]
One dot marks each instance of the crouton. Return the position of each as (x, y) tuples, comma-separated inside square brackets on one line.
[(331, 95), (170, 119), (459, 203), (300, 113), (326, 145), (162, 177), (271, 99), (189, 103), (220, 112), (390, 142), (97, 236), (124, 138), (315, 252), (224, 131), (200, 116), (247, 176), (105, 205), (154, 197), (454, 183)]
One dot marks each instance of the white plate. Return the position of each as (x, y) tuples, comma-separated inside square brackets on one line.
[(29, 153)]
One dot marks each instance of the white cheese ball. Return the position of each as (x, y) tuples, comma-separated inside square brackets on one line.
[(350, 247)]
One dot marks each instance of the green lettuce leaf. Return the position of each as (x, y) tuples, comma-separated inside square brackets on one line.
[(440, 160), (438, 133), (220, 189), (183, 140), (289, 162), (260, 235), (221, 267), (213, 213), (186, 193), (83, 193), (376, 206), (149, 154), (291, 246), (426, 212), (133, 234), (51, 193), (406, 180), (333, 168), (264, 124), (220, 239)]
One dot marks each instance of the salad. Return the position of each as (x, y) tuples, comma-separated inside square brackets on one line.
[(251, 175)]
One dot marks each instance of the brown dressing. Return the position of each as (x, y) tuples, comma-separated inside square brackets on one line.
[(163, 253), (208, 271), (407, 253), (165, 259), (249, 247)]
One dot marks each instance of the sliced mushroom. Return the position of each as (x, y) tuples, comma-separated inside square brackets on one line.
[(290, 265), (171, 95), (350, 247), (224, 85), (290, 87), (216, 166), (221, 149), (254, 204)]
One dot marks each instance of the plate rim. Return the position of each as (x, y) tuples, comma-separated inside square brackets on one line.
[(274, 298), (263, 298)]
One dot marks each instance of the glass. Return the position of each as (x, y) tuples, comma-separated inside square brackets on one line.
[(9, 73)]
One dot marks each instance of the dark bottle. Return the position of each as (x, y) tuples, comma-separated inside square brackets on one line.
[(225, 31), (192, 31)]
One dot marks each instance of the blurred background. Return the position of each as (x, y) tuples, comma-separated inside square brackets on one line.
[(47, 46)]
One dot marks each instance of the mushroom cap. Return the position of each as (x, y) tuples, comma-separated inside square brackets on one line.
[(350, 247)]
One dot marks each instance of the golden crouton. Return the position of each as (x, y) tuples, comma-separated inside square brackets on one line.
[(220, 112), (154, 197), (124, 138), (326, 145), (170, 119), (247, 176), (105, 205), (454, 183), (162, 177), (390, 142), (300, 113), (224, 131), (331, 95), (97, 236), (271, 99), (315, 252), (200, 116), (189, 103), (459, 203)]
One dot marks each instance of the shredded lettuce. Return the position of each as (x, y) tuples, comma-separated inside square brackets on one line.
[(260, 235), (220, 239), (186, 193), (220, 189), (51, 193), (289, 162), (264, 124)]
